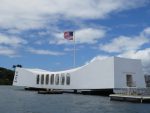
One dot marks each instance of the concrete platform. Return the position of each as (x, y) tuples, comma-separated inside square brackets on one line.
[(130, 98), (50, 92)]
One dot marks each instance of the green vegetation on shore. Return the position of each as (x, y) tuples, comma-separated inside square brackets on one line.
[(6, 76)]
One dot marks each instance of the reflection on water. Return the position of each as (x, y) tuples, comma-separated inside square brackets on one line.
[(17, 100)]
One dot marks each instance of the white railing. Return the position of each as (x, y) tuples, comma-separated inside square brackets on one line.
[(132, 91)]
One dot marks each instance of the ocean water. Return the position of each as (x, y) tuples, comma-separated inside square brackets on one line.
[(17, 100)]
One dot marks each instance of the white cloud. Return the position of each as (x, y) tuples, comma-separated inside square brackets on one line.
[(71, 49), (88, 35), (146, 32), (9, 45), (39, 42), (144, 55), (33, 14), (68, 49), (99, 57), (45, 52), (124, 43), (130, 47), (11, 40), (7, 51)]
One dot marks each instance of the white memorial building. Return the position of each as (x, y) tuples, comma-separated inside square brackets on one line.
[(109, 73)]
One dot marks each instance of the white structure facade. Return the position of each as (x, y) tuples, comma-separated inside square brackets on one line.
[(108, 73)]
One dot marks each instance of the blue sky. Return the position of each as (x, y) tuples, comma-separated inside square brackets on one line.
[(31, 32)]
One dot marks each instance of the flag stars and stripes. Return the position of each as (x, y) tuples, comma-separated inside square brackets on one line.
[(68, 35)]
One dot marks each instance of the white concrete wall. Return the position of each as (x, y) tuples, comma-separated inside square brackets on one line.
[(99, 74), (96, 75), (123, 67), (24, 78)]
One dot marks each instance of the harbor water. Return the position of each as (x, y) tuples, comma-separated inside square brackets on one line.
[(17, 100)]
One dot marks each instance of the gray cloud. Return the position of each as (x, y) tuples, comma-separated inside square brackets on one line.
[(27, 14), (124, 43), (45, 52)]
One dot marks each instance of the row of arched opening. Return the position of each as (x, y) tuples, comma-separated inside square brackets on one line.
[(53, 79)]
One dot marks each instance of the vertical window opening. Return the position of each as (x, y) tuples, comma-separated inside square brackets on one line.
[(52, 79), (62, 79), (47, 79), (129, 80), (42, 79), (57, 79), (38, 79), (68, 79)]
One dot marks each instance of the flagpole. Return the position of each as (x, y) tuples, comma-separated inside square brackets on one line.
[(74, 51)]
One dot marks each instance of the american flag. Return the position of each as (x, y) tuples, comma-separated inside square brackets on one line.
[(68, 35)]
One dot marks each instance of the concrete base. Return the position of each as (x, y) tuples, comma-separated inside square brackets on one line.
[(102, 92), (130, 98)]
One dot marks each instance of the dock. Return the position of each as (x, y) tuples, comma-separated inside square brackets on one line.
[(50, 92), (130, 98)]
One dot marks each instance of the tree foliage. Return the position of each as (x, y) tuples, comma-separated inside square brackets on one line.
[(6, 76)]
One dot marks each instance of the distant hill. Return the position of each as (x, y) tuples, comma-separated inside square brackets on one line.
[(6, 76)]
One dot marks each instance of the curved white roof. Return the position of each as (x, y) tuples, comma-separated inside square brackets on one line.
[(40, 71)]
